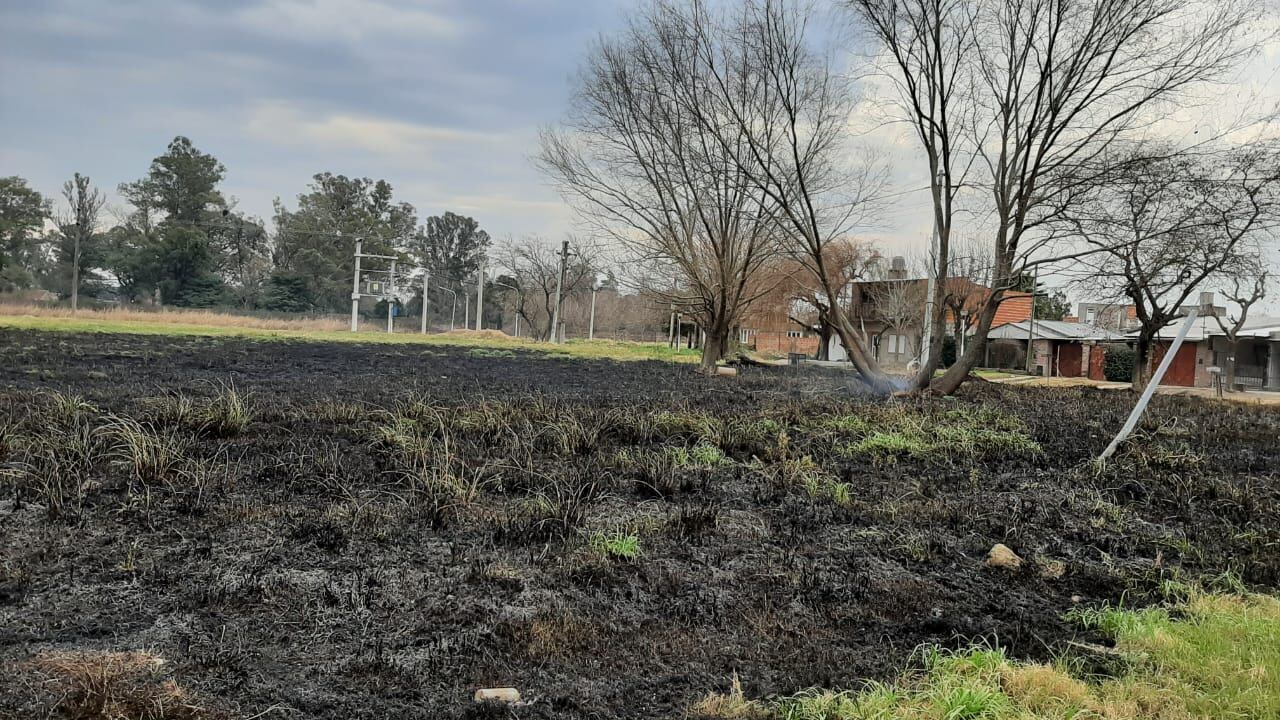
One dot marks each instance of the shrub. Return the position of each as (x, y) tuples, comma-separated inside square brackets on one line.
[(1117, 363)]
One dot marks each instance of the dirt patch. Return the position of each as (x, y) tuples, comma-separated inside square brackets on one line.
[(388, 529)]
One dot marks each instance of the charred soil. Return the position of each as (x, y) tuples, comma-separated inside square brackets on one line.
[(343, 531)]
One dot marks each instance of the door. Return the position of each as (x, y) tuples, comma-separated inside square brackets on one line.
[(1097, 360), (1070, 356), (1182, 371)]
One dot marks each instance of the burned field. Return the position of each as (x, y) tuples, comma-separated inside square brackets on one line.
[(339, 531)]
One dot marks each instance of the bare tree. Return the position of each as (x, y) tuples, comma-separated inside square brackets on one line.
[(1246, 285), (79, 224), (1034, 94), (1162, 227), (967, 286), (780, 111), (641, 169), (534, 263)]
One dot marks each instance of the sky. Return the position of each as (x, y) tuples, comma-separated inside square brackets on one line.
[(442, 98)]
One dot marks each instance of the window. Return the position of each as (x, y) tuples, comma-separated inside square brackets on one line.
[(891, 344), (1090, 315), (745, 335), (795, 333)]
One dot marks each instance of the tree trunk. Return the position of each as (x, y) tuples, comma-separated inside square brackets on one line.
[(867, 368), (955, 376), (1233, 351), (715, 346), (1141, 361), (824, 340)]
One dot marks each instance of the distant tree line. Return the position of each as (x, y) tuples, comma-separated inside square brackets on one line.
[(181, 242)]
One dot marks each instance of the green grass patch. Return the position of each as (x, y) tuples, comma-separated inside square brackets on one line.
[(1213, 657), (615, 545), (967, 432), (701, 455)]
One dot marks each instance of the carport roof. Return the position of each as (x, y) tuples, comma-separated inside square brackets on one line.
[(1054, 330)]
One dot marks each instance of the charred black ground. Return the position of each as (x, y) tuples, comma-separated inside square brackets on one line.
[(383, 529)]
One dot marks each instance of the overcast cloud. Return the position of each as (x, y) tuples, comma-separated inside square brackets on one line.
[(443, 98)]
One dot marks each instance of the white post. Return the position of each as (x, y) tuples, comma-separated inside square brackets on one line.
[(1165, 362), (391, 298), (355, 287), (591, 327), (75, 271), (426, 281), (480, 296), (926, 341), (1031, 327)]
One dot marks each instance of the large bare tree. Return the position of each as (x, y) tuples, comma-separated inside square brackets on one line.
[(779, 109), (641, 168), (1164, 227), (1025, 99)]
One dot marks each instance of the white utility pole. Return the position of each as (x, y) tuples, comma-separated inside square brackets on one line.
[(355, 287), (391, 298), (926, 340), (591, 327), (1031, 326), (557, 335), (480, 296), (1165, 362), (426, 282), (75, 271)]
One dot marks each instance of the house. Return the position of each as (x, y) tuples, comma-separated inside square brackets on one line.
[(891, 314), (1206, 346), (1116, 317), (1257, 352), (772, 328), (1059, 348)]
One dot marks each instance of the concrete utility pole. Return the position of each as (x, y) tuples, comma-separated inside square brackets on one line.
[(671, 333), (391, 298), (1165, 362), (557, 335), (926, 340), (426, 282), (1031, 326), (480, 296), (75, 270), (355, 286), (591, 327), (466, 307)]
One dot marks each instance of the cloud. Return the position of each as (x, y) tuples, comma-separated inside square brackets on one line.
[(329, 20), (288, 123)]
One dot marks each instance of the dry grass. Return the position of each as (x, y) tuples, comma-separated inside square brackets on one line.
[(92, 685), (206, 323), (174, 316)]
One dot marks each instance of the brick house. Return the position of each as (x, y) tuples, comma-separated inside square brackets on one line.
[(1060, 348), (896, 344), (772, 329)]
